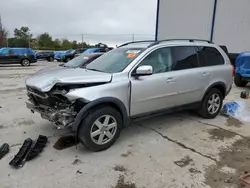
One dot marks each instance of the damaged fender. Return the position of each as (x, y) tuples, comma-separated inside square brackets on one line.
[(106, 100)]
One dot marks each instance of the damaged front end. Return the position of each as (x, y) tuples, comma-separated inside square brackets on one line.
[(53, 105)]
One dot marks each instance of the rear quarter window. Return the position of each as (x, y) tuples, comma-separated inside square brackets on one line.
[(209, 56)]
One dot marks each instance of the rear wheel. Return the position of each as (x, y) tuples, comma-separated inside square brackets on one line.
[(238, 80), (51, 59), (100, 129), (211, 104), (25, 62), (68, 59)]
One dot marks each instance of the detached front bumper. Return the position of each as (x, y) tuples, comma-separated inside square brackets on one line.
[(60, 117)]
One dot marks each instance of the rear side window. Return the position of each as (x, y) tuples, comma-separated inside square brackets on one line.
[(209, 56), (184, 57)]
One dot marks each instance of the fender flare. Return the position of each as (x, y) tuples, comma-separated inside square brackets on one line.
[(83, 112), (217, 84)]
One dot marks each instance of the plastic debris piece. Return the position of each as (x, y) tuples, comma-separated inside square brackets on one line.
[(19, 158), (244, 94), (237, 110), (4, 149), (37, 147)]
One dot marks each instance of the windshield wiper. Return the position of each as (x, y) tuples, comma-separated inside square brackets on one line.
[(93, 69)]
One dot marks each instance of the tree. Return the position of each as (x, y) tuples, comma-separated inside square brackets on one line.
[(66, 44), (3, 35), (74, 44), (45, 41), (22, 37), (57, 44)]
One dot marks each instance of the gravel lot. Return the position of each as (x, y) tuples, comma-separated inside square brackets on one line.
[(177, 150)]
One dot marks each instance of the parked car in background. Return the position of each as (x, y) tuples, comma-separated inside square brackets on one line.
[(69, 55), (134, 80), (23, 56), (45, 55), (95, 50), (80, 61), (233, 57), (58, 55), (242, 69)]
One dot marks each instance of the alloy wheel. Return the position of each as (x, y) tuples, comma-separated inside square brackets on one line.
[(103, 129), (214, 103)]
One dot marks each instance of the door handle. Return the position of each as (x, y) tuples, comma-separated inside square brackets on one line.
[(205, 73), (170, 79)]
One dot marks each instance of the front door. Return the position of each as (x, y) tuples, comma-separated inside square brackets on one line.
[(4, 56), (149, 93), (176, 80)]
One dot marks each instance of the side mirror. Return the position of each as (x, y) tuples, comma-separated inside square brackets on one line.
[(144, 70)]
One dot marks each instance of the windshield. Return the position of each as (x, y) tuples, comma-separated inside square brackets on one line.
[(69, 51), (115, 61), (78, 61), (4, 51), (90, 50)]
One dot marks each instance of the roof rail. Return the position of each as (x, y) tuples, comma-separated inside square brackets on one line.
[(134, 42), (190, 40)]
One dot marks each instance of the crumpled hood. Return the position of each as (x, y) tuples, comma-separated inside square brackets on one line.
[(45, 81), (57, 67)]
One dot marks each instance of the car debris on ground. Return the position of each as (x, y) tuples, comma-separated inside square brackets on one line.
[(28, 151), (4, 149), (236, 110)]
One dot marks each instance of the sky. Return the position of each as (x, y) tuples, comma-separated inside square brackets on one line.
[(108, 21)]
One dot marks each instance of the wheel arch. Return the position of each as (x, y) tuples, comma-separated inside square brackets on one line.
[(107, 101), (218, 85), (24, 58)]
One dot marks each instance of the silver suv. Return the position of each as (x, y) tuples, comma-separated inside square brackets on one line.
[(134, 80)]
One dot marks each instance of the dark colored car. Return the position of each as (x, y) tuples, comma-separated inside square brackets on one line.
[(45, 55), (80, 61), (23, 56), (94, 50), (58, 55), (70, 54), (233, 57)]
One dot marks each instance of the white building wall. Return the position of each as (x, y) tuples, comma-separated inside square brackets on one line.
[(193, 19), (232, 25), (185, 19)]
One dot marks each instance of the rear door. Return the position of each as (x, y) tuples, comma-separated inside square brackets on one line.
[(186, 79), (14, 55), (213, 65)]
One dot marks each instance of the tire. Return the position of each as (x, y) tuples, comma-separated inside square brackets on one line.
[(68, 59), (25, 62), (205, 109), (238, 80), (51, 59), (89, 126)]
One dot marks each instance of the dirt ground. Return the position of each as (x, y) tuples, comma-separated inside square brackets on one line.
[(176, 150)]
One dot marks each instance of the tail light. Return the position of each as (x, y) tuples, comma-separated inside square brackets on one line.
[(233, 71)]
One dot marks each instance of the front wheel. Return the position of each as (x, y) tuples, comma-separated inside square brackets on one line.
[(100, 129), (25, 62), (211, 104), (238, 80)]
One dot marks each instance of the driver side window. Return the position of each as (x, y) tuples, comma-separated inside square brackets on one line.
[(160, 60)]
